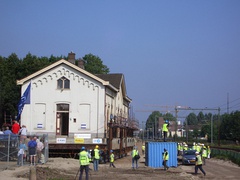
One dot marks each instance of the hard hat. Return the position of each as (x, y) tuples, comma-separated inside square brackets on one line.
[(166, 121), (196, 152), (111, 151), (97, 146), (83, 147), (193, 143)]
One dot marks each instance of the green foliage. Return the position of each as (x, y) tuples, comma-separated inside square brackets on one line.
[(191, 119), (152, 118), (230, 126), (12, 68), (94, 65)]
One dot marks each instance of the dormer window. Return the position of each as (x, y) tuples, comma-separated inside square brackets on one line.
[(63, 83)]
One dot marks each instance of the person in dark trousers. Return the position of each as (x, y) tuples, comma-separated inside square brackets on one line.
[(134, 155), (112, 159), (198, 164), (84, 162), (165, 159), (165, 130), (32, 145), (96, 158)]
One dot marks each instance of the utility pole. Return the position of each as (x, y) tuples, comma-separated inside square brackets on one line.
[(204, 109)]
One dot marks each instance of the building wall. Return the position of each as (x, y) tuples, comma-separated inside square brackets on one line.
[(86, 99)]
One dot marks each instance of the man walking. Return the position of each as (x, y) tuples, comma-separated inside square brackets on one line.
[(198, 164), (135, 155), (84, 162), (165, 159)]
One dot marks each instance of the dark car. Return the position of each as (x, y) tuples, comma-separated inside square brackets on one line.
[(189, 157)]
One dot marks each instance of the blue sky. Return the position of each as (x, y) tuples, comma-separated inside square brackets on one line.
[(172, 52)]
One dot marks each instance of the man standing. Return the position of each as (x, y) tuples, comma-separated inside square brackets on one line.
[(165, 159), (204, 155), (111, 159), (134, 159), (208, 152), (15, 127), (165, 130), (96, 158), (143, 149), (84, 162), (32, 145), (198, 164)]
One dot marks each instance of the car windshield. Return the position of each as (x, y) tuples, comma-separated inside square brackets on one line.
[(189, 152)]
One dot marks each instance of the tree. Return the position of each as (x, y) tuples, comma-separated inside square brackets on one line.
[(200, 117), (94, 65), (152, 123), (230, 126), (191, 119)]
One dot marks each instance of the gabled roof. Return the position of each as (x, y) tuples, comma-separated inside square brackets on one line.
[(117, 80), (114, 79), (58, 63)]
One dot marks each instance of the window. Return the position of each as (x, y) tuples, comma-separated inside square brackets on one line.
[(62, 107), (63, 83)]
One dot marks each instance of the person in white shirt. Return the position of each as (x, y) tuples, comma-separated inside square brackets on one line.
[(23, 133)]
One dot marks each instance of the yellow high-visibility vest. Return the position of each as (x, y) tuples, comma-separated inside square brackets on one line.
[(83, 158)]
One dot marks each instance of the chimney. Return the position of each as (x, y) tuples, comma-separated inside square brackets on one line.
[(71, 57), (81, 63)]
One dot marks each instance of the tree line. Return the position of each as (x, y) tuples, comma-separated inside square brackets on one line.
[(211, 126), (13, 68)]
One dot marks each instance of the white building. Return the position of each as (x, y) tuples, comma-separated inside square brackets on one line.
[(72, 105)]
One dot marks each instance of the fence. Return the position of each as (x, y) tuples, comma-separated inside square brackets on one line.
[(9, 147), (234, 156)]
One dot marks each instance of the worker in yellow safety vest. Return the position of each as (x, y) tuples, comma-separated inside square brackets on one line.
[(84, 162), (198, 164), (143, 149), (96, 158), (204, 155), (135, 156), (194, 147), (112, 159), (165, 130), (208, 152), (165, 159)]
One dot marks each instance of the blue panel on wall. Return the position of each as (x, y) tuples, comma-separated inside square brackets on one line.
[(154, 152)]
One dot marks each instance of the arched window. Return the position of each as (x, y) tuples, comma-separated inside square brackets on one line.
[(63, 83)]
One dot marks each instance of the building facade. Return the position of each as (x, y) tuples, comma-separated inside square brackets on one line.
[(74, 106)]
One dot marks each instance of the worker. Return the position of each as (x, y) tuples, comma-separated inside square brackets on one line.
[(112, 159), (96, 158), (208, 152), (198, 147), (84, 162), (178, 148), (165, 130), (204, 155), (165, 159), (135, 157), (198, 164), (143, 149), (181, 148), (194, 147), (185, 147)]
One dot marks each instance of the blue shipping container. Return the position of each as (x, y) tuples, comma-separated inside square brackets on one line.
[(154, 150)]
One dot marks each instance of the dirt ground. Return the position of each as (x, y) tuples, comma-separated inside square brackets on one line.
[(67, 169)]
